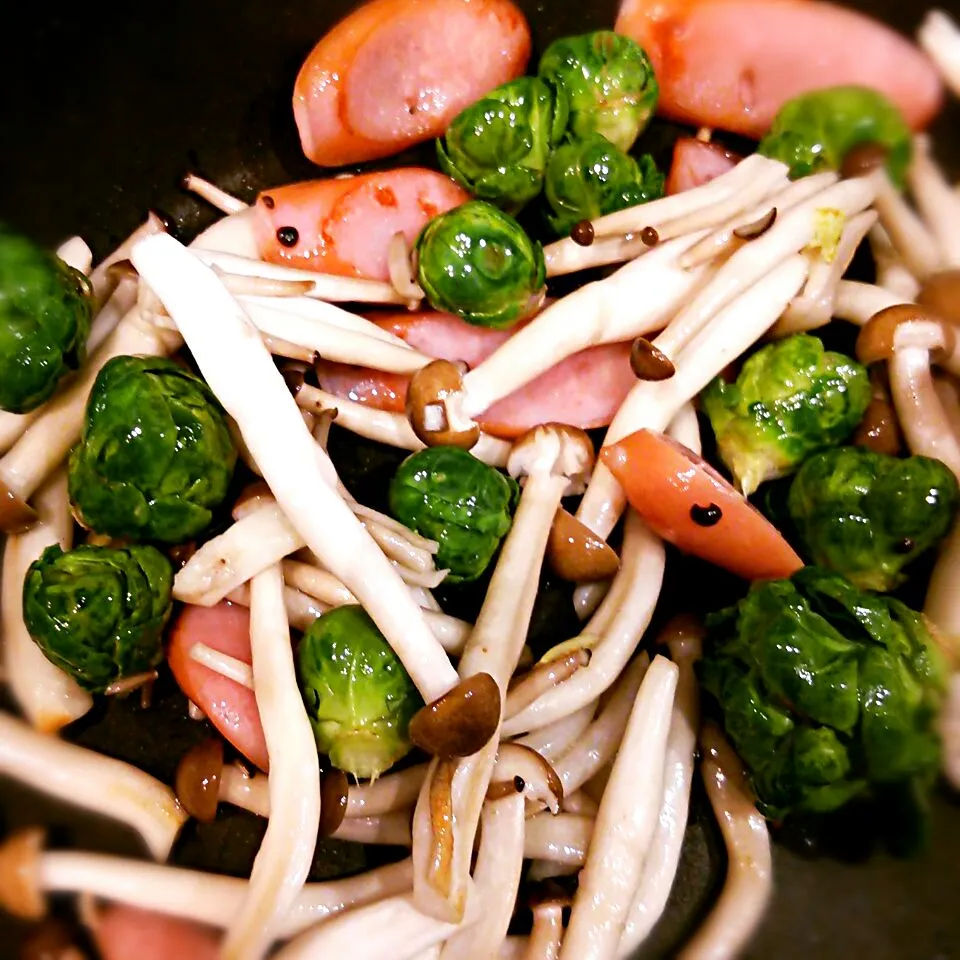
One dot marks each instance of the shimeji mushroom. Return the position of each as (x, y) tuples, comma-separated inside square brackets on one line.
[(48, 696), (562, 838), (684, 638), (749, 881), (48, 438), (553, 740), (547, 905), (891, 272), (28, 875), (939, 36), (909, 235), (286, 853), (554, 461), (937, 202), (242, 375), (625, 823), (92, 781)]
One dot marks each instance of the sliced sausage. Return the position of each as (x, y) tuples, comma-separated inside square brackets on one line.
[(696, 163), (127, 933)]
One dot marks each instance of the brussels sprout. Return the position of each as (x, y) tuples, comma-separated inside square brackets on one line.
[(498, 148), (359, 697), (45, 313), (816, 131), (791, 399), (448, 495), (98, 612), (609, 82), (155, 456), (825, 690), (588, 178), (475, 261), (866, 515)]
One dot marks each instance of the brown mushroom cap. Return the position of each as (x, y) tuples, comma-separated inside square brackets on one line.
[(522, 766), (941, 294), (648, 362), (20, 890), (460, 722), (875, 341), (15, 515), (577, 554), (879, 429), (432, 398), (197, 782), (334, 788), (863, 159)]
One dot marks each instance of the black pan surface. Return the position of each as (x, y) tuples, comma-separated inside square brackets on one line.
[(102, 110)]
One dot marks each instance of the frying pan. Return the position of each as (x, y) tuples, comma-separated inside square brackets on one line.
[(102, 112)]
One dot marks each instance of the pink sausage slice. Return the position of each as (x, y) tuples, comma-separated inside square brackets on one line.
[(228, 705), (396, 72), (126, 933), (696, 163), (731, 64), (344, 225)]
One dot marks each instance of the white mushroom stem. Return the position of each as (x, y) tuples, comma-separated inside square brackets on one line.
[(393, 791), (91, 781), (948, 392), (925, 426), (324, 286), (639, 298), (554, 461), (749, 881), (857, 302), (660, 866), (48, 697), (580, 802), (562, 838), (102, 278), (370, 516), (205, 897), (625, 824), (892, 273), (302, 609), (939, 36), (496, 880), (733, 330), (75, 252), (392, 429), (214, 195), (286, 853), (529, 774), (935, 198), (553, 740), (219, 662), (332, 341), (392, 927), (548, 869), (546, 933), (910, 237)]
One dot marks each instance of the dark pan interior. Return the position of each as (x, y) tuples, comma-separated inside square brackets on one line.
[(102, 110)]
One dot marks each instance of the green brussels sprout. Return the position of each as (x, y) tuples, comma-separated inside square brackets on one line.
[(99, 612), (155, 456), (815, 131), (359, 698), (475, 261), (591, 177), (867, 515), (448, 495), (791, 399), (45, 313), (609, 82), (499, 146), (825, 690)]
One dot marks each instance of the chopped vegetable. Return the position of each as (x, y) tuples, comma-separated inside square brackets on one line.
[(825, 690), (609, 82), (685, 501), (817, 130), (45, 313), (867, 515), (448, 495), (358, 696), (477, 263), (791, 399), (155, 457), (591, 177), (498, 147), (99, 612)]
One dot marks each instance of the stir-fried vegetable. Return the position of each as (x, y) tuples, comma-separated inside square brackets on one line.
[(358, 696), (818, 130), (791, 399), (825, 689), (591, 177), (867, 515), (448, 495), (155, 458), (45, 311), (498, 148), (99, 612), (476, 262), (609, 82)]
